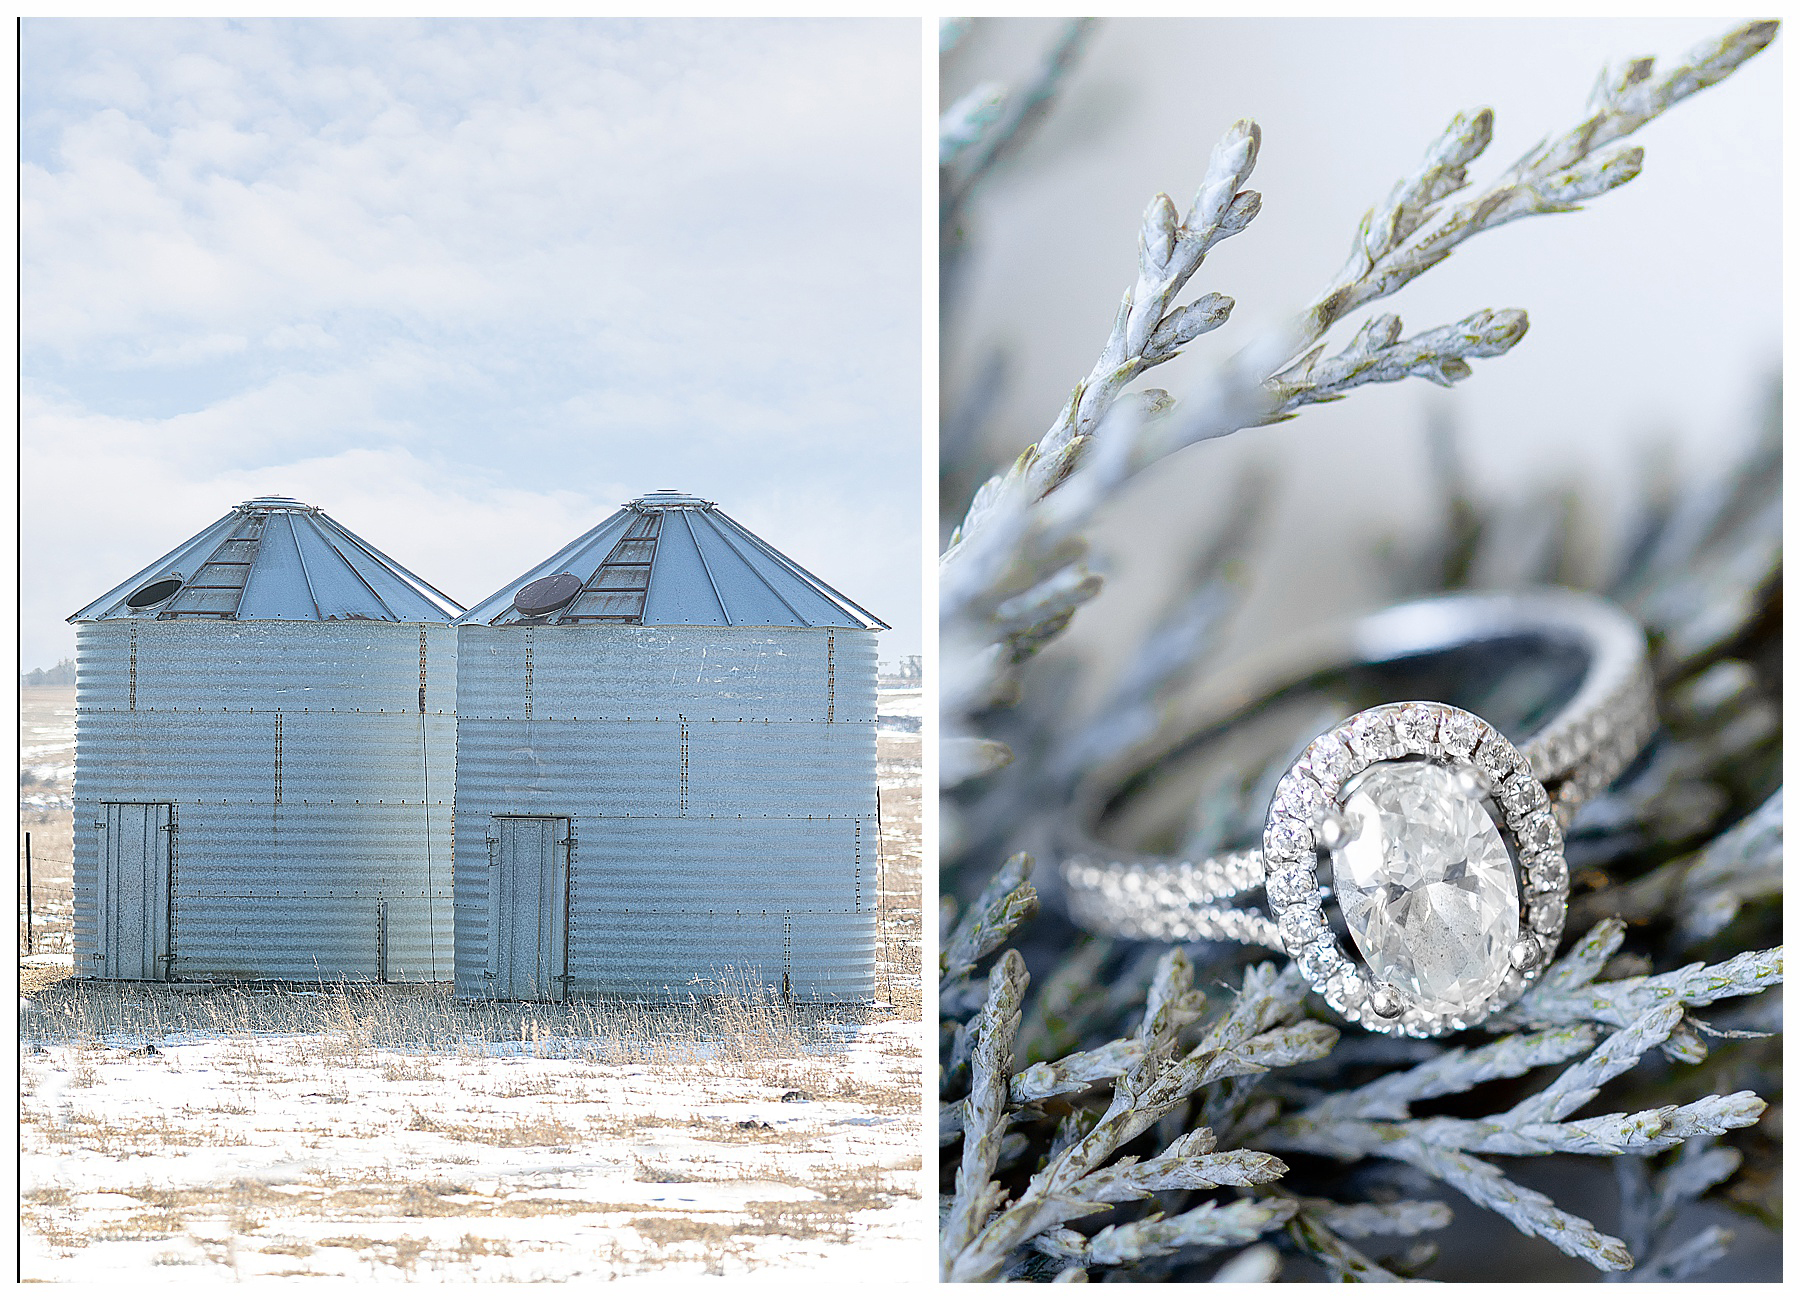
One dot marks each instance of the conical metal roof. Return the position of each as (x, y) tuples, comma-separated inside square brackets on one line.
[(275, 558), (669, 558)]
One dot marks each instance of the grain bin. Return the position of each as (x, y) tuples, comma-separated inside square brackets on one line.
[(666, 768), (265, 757)]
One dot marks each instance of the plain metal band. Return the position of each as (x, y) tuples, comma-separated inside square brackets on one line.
[(1580, 751)]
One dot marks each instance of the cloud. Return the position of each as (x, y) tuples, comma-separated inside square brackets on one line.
[(485, 279)]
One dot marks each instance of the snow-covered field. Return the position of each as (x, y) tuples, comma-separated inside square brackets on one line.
[(46, 746), (227, 1156), (46, 782), (899, 710), (389, 1135)]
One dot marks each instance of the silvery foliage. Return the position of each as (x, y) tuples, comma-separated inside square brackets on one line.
[(1108, 1089), (1013, 573)]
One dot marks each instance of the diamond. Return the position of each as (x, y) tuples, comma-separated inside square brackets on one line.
[(1493, 758), (1547, 914), (1299, 926), (1496, 756), (1599, 727), (1427, 887), (1416, 728), (1372, 736), (1291, 882), (1539, 833), (1458, 734), (1286, 838), (1548, 872), (1386, 1002), (1520, 793), (1328, 761), (1297, 796), (1346, 989), (1318, 959)]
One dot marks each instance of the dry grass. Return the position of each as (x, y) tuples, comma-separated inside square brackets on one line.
[(533, 1132), (842, 1193), (345, 1025), (538, 1085), (230, 1223), (661, 1230), (413, 1069), (403, 1253), (471, 1246), (135, 1136)]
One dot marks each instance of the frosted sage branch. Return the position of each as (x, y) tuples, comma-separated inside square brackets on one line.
[(1566, 995), (984, 126), (1006, 595), (1412, 231), (1007, 901), (1373, 1120), (1257, 1032), (985, 1110)]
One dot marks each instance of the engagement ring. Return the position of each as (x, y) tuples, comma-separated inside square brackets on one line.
[(1414, 834)]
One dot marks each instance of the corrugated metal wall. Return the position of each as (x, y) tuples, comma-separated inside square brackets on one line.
[(307, 785), (720, 789)]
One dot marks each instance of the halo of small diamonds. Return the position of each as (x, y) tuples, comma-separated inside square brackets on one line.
[(1312, 787)]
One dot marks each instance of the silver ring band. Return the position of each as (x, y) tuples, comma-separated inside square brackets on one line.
[(1579, 749)]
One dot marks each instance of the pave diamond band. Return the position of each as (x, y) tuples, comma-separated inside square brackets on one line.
[(1414, 835)]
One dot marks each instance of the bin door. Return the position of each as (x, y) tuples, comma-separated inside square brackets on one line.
[(530, 934), (135, 857)]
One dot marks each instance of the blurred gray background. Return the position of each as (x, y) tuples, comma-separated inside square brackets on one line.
[(1655, 313)]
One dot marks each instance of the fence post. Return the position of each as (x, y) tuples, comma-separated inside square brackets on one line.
[(28, 934), (887, 954), (787, 957)]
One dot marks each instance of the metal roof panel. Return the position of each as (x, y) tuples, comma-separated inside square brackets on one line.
[(275, 558), (797, 593), (278, 586), (753, 593), (345, 580), (682, 587), (705, 569)]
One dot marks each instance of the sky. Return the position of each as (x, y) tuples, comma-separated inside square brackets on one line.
[(1655, 310), (468, 286)]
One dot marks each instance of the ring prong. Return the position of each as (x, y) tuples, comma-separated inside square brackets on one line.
[(1524, 953), (1471, 780), (1333, 831), (1385, 1001)]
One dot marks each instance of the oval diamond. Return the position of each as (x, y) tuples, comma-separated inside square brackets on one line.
[(1427, 887)]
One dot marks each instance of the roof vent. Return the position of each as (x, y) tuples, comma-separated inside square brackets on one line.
[(667, 497), (154, 593), (546, 595)]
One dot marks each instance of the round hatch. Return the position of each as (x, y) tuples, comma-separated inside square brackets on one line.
[(546, 595), (668, 498), (153, 593)]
